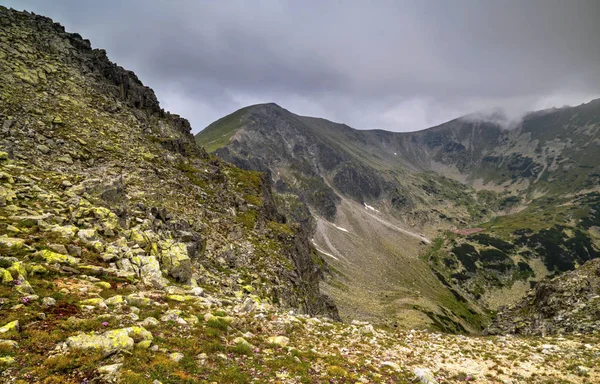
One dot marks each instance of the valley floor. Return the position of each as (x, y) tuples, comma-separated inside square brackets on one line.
[(378, 275)]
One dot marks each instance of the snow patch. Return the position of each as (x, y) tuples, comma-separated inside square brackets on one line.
[(367, 206), (341, 229), (325, 253)]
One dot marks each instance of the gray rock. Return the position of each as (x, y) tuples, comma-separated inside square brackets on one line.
[(176, 356), (425, 376)]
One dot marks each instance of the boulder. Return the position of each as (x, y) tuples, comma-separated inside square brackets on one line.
[(11, 242), (12, 326), (176, 356), (425, 376), (175, 261), (110, 342), (280, 341), (54, 257)]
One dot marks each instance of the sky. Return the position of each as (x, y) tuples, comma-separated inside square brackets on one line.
[(394, 65)]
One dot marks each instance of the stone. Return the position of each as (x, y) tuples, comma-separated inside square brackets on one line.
[(391, 365), (88, 235), (176, 356), (425, 376), (367, 330), (5, 276), (280, 341), (249, 305), (110, 342), (243, 342), (582, 371), (137, 300), (11, 242), (197, 291), (9, 344), (53, 257), (97, 301), (173, 315), (48, 302), (67, 232), (175, 261), (74, 250), (65, 159), (144, 344), (6, 360), (44, 149), (13, 326), (115, 300), (102, 284), (147, 268), (149, 321), (36, 269), (110, 371), (178, 298), (59, 248)]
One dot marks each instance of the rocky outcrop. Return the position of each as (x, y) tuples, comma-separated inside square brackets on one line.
[(566, 304)]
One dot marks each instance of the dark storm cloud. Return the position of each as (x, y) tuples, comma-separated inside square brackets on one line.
[(385, 64)]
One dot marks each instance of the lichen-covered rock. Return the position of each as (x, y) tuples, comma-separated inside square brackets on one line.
[(48, 302), (67, 232), (175, 261), (13, 326), (148, 269), (280, 341), (7, 360), (5, 276), (93, 301), (110, 342), (110, 372), (9, 344), (88, 235), (54, 257), (115, 300), (176, 356), (11, 242)]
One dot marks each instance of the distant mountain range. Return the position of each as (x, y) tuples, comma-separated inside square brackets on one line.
[(503, 208)]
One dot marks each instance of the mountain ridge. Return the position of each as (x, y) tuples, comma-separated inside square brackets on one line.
[(439, 182)]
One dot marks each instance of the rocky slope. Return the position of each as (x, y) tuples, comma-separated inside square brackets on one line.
[(532, 191), (566, 304)]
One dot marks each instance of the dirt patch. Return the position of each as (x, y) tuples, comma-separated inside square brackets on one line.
[(466, 232)]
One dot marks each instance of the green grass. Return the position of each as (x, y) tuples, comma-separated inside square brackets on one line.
[(219, 133)]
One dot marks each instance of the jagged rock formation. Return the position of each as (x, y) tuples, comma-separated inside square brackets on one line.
[(565, 304)]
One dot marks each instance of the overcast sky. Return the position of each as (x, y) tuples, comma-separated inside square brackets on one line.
[(395, 65)]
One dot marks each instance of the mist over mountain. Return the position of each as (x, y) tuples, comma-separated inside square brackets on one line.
[(503, 207)]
